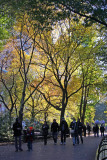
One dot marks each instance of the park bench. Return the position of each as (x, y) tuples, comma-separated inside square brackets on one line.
[(101, 153)]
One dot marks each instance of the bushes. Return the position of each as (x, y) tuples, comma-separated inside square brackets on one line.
[(6, 133)]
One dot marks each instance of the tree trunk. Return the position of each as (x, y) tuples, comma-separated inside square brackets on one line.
[(10, 119), (32, 111), (22, 103), (82, 96), (85, 104), (21, 114), (81, 103), (62, 112), (22, 106), (64, 103)]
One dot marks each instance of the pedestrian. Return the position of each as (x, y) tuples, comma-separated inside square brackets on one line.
[(102, 129), (17, 128), (80, 128), (54, 130), (88, 129), (97, 130), (64, 130), (29, 137), (84, 130), (94, 130), (45, 128), (74, 131)]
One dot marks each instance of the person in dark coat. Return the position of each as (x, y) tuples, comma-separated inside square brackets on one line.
[(102, 129), (97, 130), (17, 128), (88, 129), (45, 128), (84, 130), (94, 130), (80, 128), (64, 130), (74, 131), (54, 130)]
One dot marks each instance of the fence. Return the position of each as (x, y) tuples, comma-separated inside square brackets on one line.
[(102, 150)]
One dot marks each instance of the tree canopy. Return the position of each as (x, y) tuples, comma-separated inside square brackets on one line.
[(53, 57)]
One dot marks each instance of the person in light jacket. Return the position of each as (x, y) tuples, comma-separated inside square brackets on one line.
[(74, 131)]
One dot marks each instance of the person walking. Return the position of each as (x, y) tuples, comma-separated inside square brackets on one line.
[(94, 130), (88, 129), (17, 128), (74, 131), (29, 137), (97, 130), (45, 128), (80, 128), (84, 130), (102, 129), (63, 129), (54, 130)]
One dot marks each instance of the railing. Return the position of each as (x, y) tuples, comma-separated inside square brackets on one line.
[(102, 150)]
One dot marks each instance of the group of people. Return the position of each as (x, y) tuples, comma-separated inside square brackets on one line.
[(76, 131), (17, 128), (96, 130), (55, 128)]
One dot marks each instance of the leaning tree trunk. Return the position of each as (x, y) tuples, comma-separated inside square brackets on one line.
[(81, 103)]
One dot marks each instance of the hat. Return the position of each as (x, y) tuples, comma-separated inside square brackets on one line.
[(31, 128)]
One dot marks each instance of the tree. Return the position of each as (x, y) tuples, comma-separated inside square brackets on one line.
[(63, 63), (91, 77), (22, 48), (90, 72), (32, 40), (8, 96), (35, 107), (4, 30), (92, 11), (7, 90)]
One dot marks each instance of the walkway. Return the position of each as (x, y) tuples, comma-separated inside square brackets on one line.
[(84, 151)]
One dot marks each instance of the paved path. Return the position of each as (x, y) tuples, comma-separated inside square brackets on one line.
[(84, 151)]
